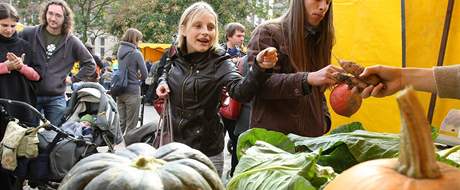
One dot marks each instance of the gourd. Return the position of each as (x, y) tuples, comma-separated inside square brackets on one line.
[(416, 168), (140, 166)]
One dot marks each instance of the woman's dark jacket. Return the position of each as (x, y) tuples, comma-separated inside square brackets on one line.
[(285, 101), (195, 82), (16, 86)]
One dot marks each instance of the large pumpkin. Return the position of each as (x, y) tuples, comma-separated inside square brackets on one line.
[(416, 168), (141, 167)]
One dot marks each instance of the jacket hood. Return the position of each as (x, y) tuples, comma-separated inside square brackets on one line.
[(125, 48)]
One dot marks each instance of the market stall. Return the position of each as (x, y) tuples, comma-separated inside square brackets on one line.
[(396, 33)]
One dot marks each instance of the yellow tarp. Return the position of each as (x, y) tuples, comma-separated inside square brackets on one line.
[(370, 32), (153, 52), (19, 27)]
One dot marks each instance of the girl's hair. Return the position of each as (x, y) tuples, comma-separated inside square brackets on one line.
[(132, 35), (189, 16), (67, 26), (309, 52), (8, 11), (315, 52)]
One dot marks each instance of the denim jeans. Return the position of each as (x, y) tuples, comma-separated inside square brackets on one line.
[(52, 107)]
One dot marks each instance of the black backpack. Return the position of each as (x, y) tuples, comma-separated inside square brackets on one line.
[(119, 80)]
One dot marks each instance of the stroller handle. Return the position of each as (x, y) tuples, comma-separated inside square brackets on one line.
[(8, 101), (47, 125)]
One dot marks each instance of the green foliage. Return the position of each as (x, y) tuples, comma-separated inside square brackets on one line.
[(251, 136), (267, 167), (158, 19), (29, 11), (90, 17), (347, 128), (357, 146)]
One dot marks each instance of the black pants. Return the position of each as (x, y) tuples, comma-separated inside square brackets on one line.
[(230, 128), (7, 180)]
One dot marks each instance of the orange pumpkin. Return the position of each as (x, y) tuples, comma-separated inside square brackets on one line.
[(416, 168)]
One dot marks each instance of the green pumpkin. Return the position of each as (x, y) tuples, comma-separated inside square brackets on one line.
[(140, 166)]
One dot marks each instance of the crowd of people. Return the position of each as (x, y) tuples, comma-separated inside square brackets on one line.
[(279, 79)]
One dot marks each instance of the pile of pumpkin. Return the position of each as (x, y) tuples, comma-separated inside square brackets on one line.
[(141, 167), (416, 168)]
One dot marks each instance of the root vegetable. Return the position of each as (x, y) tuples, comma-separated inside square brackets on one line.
[(356, 69), (343, 101)]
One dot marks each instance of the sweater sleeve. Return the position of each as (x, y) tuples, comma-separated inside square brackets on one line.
[(29, 73), (280, 85), (447, 81), (87, 64), (141, 66), (3, 69)]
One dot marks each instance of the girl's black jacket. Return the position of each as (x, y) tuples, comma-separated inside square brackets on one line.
[(195, 82)]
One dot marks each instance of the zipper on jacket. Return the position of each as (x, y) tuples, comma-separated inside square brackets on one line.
[(182, 92)]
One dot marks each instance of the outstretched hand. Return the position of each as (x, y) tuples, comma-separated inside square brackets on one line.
[(391, 81), (325, 76), (267, 58)]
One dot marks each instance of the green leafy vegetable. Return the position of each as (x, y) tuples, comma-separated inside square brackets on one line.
[(266, 167), (249, 138), (344, 150), (347, 128)]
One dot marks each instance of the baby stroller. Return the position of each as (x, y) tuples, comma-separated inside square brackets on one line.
[(42, 158), (91, 98), (60, 148)]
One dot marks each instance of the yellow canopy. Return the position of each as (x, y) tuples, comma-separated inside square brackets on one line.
[(371, 32), (153, 52), (19, 27)]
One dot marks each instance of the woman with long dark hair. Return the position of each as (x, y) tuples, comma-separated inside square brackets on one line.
[(292, 100), (18, 76)]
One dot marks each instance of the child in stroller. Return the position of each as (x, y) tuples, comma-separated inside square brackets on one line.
[(60, 148)]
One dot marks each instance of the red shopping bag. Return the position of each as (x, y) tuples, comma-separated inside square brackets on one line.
[(229, 108)]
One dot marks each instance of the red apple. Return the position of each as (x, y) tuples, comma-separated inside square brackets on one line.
[(343, 101)]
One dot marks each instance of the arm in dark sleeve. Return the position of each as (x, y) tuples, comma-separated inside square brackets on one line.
[(163, 68), (285, 86), (29, 59), (87, 64), (278, 85), (141, 65), (239, 88), (98, 61)]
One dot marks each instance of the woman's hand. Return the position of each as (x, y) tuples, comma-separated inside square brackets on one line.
[(15, 61), (267, 58), (162, 90), (325, 76)]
